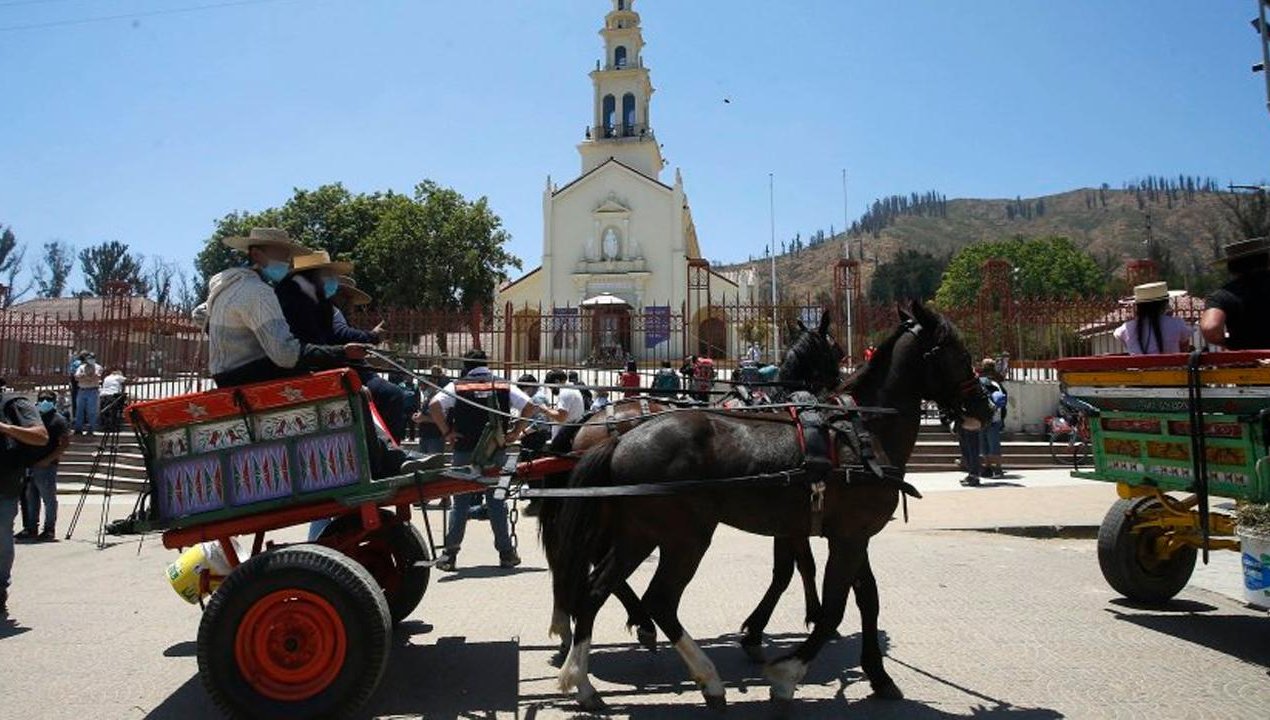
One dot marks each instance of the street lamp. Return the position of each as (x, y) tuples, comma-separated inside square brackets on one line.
[(1259, 24)]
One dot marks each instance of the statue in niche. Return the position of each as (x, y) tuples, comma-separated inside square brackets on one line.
[(591, 250), (611, 250), (632, 248)]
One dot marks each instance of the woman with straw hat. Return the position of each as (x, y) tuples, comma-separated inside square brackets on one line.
[(1152, 330)]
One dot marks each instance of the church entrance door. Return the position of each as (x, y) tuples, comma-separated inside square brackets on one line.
[(712, 338), (528, 336), (610, 334)]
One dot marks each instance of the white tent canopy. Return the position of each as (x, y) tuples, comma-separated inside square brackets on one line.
[(603, 299)]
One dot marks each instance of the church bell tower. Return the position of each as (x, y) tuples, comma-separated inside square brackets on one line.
[(621, 127)]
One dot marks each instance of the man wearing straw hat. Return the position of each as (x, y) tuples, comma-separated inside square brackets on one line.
[(248, 336), (1235, 317)]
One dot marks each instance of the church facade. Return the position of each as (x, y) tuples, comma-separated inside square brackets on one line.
[(620, 254)]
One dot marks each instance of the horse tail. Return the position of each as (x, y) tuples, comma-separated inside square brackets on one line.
[(580, 534), (549, 516)]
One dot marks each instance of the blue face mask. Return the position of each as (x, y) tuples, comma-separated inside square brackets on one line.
[(330, 286), (45, 406), (275, 270)]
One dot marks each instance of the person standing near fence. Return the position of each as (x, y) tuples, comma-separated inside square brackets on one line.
[(88, 375), (21, 433), (42, 488), (666, 381), (990, 435), (1235, 315), (113, 399), (431, 441), (630, 380)]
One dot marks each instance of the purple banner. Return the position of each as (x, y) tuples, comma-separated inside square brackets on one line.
[(656, 325)]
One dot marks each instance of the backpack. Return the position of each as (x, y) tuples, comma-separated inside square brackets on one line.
[(12, 451), (665, 379)]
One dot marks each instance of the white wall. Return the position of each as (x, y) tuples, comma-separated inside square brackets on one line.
[(1029, 404)]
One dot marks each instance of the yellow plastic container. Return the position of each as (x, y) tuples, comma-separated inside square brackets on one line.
[(184, 573)]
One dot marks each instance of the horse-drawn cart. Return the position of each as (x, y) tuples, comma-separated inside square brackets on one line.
[(297, 630), (1196, 425)]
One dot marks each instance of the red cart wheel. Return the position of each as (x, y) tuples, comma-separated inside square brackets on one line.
[(395, 555), (298, 632), (290, 645)]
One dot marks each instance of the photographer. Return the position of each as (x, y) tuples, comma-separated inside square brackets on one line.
[(22, 434)]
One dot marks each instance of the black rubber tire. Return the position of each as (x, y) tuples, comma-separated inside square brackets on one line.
[(408, 549), (1125, 565), (337, 579)]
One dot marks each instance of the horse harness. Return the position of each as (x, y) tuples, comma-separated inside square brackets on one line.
[(816, 433)]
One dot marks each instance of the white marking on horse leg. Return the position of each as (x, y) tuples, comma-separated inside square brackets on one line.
[(574, 672), (559, 624), (700, 667), (785, 677)]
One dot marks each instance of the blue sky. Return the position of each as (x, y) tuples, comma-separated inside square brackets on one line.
[(145, 130)]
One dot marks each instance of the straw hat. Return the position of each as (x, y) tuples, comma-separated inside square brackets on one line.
[(349, 286), (1244, 248), (265, 236), (320, 260), (1150, 292)]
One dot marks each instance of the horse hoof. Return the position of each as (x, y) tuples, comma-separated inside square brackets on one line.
[(754, 652), (717, 703), (557, 660), (647, 638), (781, 707), (888, 691), (593, 703)]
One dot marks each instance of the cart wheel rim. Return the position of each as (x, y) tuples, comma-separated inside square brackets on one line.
[(290, 645)]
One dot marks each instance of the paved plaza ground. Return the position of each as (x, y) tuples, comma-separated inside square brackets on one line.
[(1015, 624)]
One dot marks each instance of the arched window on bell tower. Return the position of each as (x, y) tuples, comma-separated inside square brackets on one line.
[(609, 113), (619, 57), (628, 115)]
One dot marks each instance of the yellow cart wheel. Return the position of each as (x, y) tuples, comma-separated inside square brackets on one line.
[(1139, 562)]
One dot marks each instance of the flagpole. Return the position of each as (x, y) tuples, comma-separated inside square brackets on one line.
[(846, 244), (776, 333)]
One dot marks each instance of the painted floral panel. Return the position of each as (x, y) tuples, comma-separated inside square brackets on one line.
[(219, 436), (287, 423), (260, 472), (328, 461), (191, 486)]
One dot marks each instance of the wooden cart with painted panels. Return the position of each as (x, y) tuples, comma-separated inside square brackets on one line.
[(297, 630), (1173, 432)]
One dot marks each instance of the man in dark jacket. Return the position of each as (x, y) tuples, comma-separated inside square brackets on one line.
[(1235, 316), (21, 431), (41, 488)]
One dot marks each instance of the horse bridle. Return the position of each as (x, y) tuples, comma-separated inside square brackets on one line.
[(967, 391)]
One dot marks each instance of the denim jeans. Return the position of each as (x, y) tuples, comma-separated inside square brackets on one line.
[(43, 488), (970, 452), (8, 513), (431, 444), (991, 433), (463, 504), (86, 409)]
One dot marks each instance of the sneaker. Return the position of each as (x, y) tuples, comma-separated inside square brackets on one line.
[(509, 560), (970, 481), (49, 535), (28, 534), (448, 562)]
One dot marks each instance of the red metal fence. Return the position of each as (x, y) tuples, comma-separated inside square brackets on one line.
[(163, 353)]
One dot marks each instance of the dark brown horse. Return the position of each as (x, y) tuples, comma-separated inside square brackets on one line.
[(602, 541), (811, 364)]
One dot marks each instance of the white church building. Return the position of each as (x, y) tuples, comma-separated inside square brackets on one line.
[(622, 273)]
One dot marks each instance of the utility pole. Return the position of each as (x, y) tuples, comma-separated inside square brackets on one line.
[(776, 332), (1259, 24), (846, 246)]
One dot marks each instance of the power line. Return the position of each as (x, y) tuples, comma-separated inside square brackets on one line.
[(15, 3), (133, 15)]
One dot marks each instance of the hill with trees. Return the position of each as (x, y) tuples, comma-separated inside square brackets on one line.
[(1180, 222)]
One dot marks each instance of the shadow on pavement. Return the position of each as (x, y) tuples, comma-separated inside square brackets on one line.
[(1246, 637), (185, 648), (1174, 606), (487, 571), (448, 680), (10, 628)]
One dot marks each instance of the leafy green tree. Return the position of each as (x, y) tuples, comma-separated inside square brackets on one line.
[(910, 274), (435, 250), (111, 262), (54, 271), (1043, 267)]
